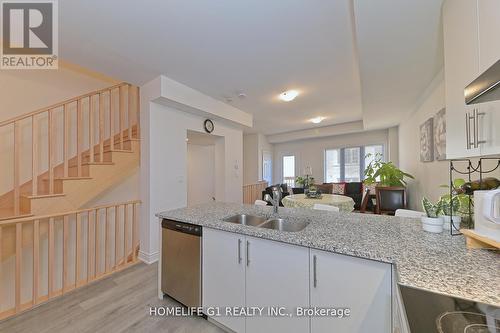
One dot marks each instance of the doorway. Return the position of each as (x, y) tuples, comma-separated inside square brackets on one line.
[(201, 168)]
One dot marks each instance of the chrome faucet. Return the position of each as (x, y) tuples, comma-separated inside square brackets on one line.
[(275, 200)]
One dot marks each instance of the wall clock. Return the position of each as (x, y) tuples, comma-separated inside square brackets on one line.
[(209, 126)]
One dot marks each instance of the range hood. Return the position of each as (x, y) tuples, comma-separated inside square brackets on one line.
[(485, 88)]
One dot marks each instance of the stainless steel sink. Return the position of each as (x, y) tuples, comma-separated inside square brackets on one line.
[(246, 219), (283, 225)]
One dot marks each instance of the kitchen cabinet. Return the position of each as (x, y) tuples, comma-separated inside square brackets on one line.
[(489, 53), (490, 127), (277, 275), (244, 271), (461, 64), (224, 274), (363, 286), (471, 46), (489, 27)]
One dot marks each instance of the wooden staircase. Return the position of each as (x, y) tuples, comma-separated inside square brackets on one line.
[(77, 149)]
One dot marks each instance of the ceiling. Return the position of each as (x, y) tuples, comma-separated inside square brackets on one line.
[(362, 60)]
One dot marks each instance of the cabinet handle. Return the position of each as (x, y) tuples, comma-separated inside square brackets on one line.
[(476, 128), (478, 142), (248, 253), (467, 131), (239, 251), (315, 279)]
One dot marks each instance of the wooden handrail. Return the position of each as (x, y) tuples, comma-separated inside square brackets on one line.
[(58, 105), (78, 211)]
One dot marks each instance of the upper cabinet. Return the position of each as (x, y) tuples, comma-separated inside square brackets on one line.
[(489, 29), (471, 46), (461, 65)]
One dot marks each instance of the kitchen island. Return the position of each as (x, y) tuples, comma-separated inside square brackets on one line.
[(435, 262)]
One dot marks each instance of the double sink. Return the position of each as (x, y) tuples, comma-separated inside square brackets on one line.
[(272, 223)]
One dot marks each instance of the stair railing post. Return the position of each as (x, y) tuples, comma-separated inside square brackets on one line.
[(19, 260), (101, 127), (51, 151), (34, 156), (111, 122), (79, 135), (36, 259), (17, 147), (121, 118), (129, 110), (91, 129), (66, 140)]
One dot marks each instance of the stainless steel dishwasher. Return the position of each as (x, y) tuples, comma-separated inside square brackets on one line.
[(181, 262)]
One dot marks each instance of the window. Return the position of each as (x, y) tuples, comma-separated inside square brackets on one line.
[(372, 151), (352, 165), (348, 164), (332, 166), (267, 167), (289, 170)]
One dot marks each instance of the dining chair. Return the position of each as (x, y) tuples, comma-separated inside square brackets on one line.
[(409, 213), (260, 203), (326, 207), (389, 199)]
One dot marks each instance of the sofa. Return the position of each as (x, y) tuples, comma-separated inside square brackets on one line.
[(353, 190)]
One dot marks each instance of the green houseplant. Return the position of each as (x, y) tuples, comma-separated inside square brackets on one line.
[(432, 222), (384, 173), (304, 182), (455, 205)]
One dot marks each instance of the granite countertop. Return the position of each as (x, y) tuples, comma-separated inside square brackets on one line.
[(435, 262)]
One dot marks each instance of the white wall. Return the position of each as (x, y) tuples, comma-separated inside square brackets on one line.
[(429, 175), (253, 146), (23, 91), (311, 152), (250, 158), (164, 129), (201, 173)]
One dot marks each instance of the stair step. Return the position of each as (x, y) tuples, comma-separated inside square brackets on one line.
[(122, 151), (68, 178), (98, 163), (43, 196)]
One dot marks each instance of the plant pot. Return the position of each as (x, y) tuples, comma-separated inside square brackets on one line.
[(456, 222), (432, 224)]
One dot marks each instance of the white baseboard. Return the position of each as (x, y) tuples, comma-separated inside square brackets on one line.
[(149, 258)]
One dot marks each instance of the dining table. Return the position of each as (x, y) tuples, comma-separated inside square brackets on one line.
[(344, 203)]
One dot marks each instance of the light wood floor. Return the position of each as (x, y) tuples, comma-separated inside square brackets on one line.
[(119, 303)]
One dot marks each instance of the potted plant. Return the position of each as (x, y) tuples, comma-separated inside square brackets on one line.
[(304, 182), (432, 222), (455, 205), (450, 206), (384, 173)]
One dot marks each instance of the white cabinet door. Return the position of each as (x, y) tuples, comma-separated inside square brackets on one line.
[(224, 274), (277, 275), (489, 127), (489, 27), (461, 63), (363, 286)]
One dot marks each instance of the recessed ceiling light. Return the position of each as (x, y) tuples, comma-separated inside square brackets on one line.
[(317, 120), (288, 95)]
